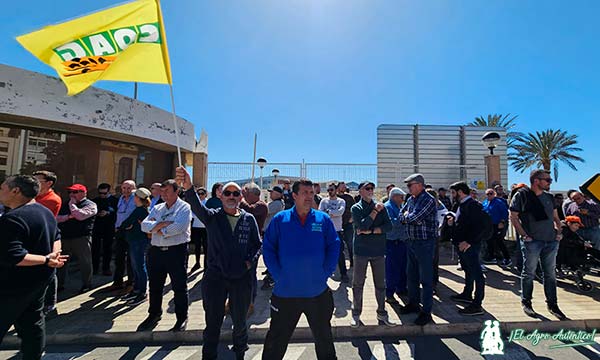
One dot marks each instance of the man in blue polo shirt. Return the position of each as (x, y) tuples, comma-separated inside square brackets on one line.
[(301, 250)]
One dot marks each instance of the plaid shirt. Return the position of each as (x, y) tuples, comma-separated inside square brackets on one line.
[(420, 213)]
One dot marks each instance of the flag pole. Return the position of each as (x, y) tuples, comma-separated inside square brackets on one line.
[(175, 125)]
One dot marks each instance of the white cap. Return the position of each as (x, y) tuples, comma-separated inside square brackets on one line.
[(396, 191), (231, 183)]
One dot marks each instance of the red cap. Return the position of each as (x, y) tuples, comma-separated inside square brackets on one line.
[(573, 219), (77, 187)]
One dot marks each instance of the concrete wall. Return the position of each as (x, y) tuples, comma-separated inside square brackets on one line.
[(34, 99)]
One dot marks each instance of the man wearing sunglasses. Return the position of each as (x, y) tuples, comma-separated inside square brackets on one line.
[(104, 229), (536, 220), (233, 251), (76, 223), (371, 222), (335, 208), (420, 215)]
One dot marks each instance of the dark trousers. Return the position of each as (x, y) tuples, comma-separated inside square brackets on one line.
[(122, 259), (215, 290), (342, 258), (348, 231), (469, 261), (495, 244), (199, 236), (51, 292), (419, 271), (81, 248), (172, 262), (25, 312), (102, 242), (395, 267), (285, 313), (436, 262)]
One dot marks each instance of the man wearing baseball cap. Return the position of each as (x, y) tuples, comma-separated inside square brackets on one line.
[(76, 222)]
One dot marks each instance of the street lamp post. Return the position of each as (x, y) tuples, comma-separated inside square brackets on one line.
[(492, 162), (275, 172), (261, 164)]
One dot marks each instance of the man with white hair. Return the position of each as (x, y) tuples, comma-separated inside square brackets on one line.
[(233, 250), (395, 254)]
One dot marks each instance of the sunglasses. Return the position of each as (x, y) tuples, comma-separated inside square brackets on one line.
[(369, 188), (102, 192), (548, 180), (330, 190), (201, 193), (74, 192), (490, 194), (229, 193)]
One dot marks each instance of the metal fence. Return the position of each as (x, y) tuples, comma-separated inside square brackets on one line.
[(352, 174)]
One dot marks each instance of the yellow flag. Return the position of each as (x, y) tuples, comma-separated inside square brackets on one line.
[(122, 43)]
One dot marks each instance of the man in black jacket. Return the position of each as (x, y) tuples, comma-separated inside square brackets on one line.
[(104, 229), (27, 262), (233, 249), (466, 232)]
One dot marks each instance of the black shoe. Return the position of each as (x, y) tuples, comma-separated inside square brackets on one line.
[(391, 300), (150, 323), (554, 310), (195, 268), (129, 296), (472, 309), (138, 299), (462, 298), (528, 309), (345, 279), (423, 319), (490, 261), (180, 325), (85, 289), (409, 309)]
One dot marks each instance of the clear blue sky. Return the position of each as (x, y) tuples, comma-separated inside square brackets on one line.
[(314, 78)]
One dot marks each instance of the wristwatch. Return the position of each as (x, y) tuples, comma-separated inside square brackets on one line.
[(47, 260)]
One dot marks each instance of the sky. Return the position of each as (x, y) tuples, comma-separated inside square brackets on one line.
[(314, 78)]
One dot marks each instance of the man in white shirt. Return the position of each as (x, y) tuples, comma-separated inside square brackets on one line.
[(335, 208), (169, 223)]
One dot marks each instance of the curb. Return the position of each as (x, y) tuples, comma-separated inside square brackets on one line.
[(304, 334)]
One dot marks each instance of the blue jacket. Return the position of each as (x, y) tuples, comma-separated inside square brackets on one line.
[(398, 231), (497, 209), (300, 258)]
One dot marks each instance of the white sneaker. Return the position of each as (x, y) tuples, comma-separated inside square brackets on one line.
[(386, 320), (355, 321)]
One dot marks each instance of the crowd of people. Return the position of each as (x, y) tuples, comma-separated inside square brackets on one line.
[(144, 233)]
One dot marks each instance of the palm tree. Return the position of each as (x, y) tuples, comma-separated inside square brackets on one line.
[(497, 120), (544, 149)]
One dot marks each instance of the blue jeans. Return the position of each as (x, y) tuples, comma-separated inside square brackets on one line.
[(544, 252), (395, 267), (469, 260), (592, 235), (137, 254), (420, 272)]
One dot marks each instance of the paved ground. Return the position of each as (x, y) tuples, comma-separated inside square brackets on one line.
[(463, 348), (98, 312), (104, 317)]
